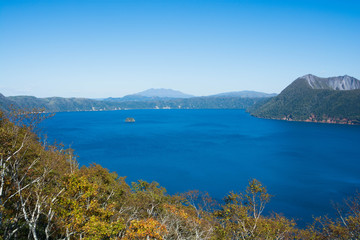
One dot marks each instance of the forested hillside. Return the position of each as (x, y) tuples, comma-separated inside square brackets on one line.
[(302, 102), (57, 104), (45, 195), (6, 104)]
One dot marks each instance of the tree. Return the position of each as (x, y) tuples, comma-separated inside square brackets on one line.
[(241, 216), (346, 226), (82, 215), (28, 173)]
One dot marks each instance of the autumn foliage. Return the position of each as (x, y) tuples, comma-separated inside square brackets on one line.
[(45, 195)]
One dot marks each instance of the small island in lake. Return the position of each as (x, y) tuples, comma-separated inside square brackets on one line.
[(129, 120)]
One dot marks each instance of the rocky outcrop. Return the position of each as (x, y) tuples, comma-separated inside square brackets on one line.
[(323, 119), (333, 83), (130, 120)]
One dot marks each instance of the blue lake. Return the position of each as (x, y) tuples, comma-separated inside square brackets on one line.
[(304, 165)]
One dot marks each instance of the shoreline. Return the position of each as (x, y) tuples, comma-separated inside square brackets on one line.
[(327, 121)]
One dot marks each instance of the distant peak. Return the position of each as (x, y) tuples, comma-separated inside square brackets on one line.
[(309, 76), (163, 92)]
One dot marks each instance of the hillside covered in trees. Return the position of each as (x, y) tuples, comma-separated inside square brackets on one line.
[(45, 195), (313, 99), (58, 104)]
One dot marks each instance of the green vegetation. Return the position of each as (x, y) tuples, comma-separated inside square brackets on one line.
[(300, 102), (57, 104), (45, 195), (129, 120)]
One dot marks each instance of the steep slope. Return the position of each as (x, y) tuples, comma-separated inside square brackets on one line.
[(314, 99), (332, 83)]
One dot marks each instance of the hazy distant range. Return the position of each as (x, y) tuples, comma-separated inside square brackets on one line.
[(308, 98), (149, 99)]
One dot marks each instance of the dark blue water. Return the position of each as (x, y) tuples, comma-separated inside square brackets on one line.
[(304, 165)]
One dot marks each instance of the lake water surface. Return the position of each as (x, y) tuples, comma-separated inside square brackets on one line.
[(304, 165)]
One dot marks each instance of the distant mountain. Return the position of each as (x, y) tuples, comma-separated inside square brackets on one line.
[(314, 99), (57, 104), (245, 94), (168, 94), (163, 93), (153, 94), (54, 104)]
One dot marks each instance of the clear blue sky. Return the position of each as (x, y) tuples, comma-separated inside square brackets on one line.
[(104, 48)]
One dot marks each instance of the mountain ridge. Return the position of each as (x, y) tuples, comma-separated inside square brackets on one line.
[(58, 104), (342, 83), (162, 93), (327, 100), (308, 98)]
